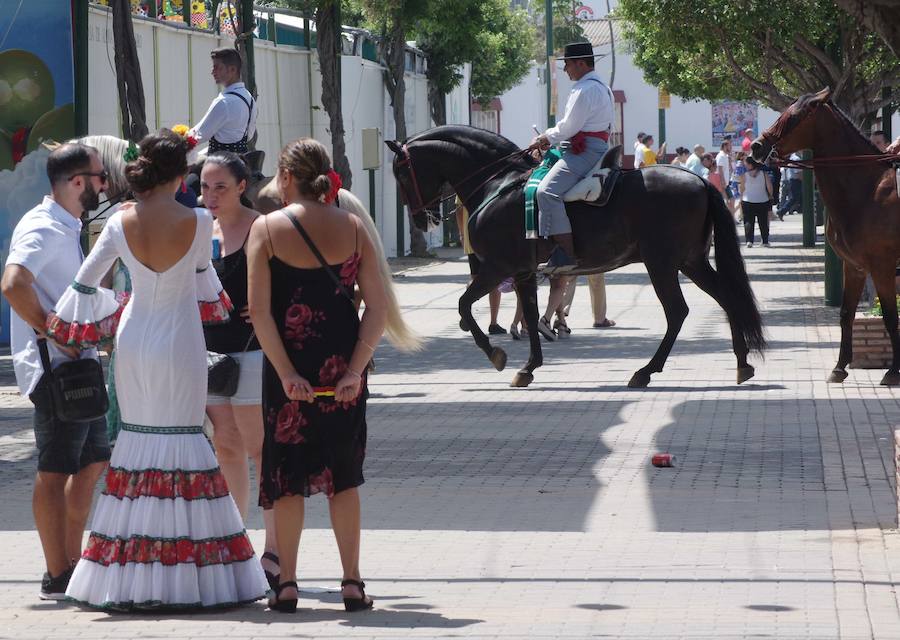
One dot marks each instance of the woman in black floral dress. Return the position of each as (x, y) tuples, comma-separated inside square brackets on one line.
[(315, 346)]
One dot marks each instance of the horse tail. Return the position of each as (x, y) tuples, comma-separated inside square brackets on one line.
[(734, 285), (398, 331)]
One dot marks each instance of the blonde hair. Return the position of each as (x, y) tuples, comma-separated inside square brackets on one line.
[(399, 333), (307, 160)]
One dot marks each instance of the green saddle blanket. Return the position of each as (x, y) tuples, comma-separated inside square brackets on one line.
[(531, 224)]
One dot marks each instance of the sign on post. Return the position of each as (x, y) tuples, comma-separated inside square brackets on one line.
[(665, 100)]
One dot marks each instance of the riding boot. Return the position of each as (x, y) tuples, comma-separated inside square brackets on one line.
[(563, 257)]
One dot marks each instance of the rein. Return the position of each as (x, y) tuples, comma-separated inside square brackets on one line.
[(775, 133), (836, 161), (406, 160)]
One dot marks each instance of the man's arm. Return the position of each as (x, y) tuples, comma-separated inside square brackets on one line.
[(17, 287), (577, 107), (209, 125)]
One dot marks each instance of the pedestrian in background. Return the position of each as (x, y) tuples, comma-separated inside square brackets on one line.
[(695, 160), (756, 188), (462, 223)]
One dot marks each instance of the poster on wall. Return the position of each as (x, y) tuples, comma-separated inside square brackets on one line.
[(589, 10), (37, 88), (732, 119)]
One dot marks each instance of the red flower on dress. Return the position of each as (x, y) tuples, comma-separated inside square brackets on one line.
[(332, 370), (322, 483), (349, 271), (288, 424), (298, 321)]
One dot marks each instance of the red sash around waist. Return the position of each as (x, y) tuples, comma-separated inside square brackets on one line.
[(577, 143)]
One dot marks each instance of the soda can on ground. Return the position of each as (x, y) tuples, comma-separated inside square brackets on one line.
[(663, 460)]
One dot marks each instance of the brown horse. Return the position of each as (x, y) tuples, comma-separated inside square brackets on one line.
[(863, 208)]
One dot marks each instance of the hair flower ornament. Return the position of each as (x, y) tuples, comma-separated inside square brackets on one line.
[(183, 130), (132, 152), (336, 184)]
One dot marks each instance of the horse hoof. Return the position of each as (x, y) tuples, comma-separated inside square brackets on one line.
[(498, 358), (522, 379), (639, 380), (891, 379), (745, 373), (838, 376)]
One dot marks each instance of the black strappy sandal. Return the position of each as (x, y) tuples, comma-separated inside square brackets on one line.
[(284, 606), (272, 578), (357, 604)]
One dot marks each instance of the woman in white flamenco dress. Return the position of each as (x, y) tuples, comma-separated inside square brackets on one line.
[(166, 533)]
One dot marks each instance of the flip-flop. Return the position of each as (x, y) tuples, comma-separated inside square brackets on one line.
[(606, 323)]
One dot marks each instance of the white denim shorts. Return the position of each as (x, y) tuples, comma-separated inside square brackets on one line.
[(249, 389)]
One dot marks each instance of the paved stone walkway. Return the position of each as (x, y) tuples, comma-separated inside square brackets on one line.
[(495, 512)]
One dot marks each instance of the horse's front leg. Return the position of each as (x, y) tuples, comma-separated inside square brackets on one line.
[(486, 280), (854, 280), (526, 289), (884, 285)]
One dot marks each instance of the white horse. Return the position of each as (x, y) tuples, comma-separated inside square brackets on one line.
[(112, 153)]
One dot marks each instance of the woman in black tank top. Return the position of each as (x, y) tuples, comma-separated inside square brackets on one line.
[(237, 420)]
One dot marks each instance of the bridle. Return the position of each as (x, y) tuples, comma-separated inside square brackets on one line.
[(405, 160), (773, 136)]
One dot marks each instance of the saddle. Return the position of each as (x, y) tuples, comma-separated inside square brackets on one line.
[(598, 185)]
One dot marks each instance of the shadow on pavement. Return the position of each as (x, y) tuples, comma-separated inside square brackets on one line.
[(757, 465)]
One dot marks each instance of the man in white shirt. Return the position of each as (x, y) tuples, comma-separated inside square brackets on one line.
[(695, 161), (639, 149), (723, 167), (44, 258), (230, 120), (583, 133)]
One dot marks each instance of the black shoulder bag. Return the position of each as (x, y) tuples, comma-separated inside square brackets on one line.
[(77, 387)]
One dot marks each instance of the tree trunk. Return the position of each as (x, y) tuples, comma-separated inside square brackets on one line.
[(327, 32), (393, 55), (437, 102), (128, 73), (880, 16)]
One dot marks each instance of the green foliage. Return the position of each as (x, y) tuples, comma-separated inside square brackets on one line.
[(565, 27), (757, 50), (877, 310), (486, 33)]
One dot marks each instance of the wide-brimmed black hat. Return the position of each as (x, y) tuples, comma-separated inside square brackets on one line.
[(580, 50)]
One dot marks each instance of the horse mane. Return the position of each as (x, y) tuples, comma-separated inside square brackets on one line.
[(478, 140), (805, 102), (112, 154), (846, 119)]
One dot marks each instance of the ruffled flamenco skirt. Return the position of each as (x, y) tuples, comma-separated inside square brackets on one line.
[(166, 533)]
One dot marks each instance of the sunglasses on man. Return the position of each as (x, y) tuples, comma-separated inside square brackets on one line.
[(103, 175)]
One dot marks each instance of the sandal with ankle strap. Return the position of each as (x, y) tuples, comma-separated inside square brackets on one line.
[(357, 604), (288, 605), (272, 578)]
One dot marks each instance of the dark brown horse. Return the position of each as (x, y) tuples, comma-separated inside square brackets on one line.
[(863, 208), (662, 216)]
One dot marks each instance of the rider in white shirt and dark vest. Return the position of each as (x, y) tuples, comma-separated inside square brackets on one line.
[(231, 118), (583, 136)]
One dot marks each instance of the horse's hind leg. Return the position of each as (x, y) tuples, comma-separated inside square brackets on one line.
[(668, 290), (704, 276), (526, 289), (483, 283), (884, 285), (854, 280)]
